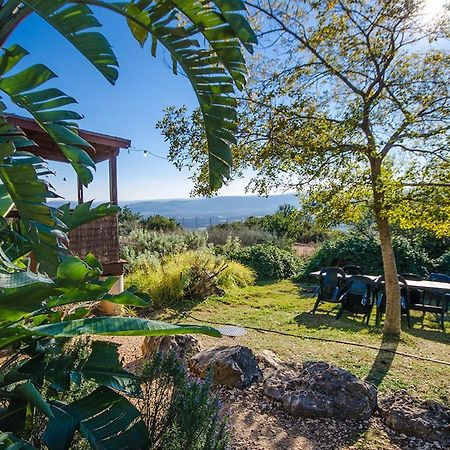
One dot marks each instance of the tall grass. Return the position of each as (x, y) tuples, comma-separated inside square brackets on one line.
[(168, 279)]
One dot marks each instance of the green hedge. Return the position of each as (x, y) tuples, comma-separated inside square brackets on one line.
[(366, 253), (268, 261)]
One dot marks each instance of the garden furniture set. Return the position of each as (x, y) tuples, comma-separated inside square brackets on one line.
[(359, 294)]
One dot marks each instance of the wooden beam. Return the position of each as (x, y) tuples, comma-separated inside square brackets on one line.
[(103, 144), (80, 191), (113, 179)]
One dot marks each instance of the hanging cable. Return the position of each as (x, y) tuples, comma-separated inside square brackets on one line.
[(315, 338), (146, 152)]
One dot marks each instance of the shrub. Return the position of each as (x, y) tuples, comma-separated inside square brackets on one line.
[(161, 223), (366, 253), (129, 220), (444, 263), (180, 412), (235, 275), (290, 223), (154, 243), (171, 279), (268, 261), (244, 234)]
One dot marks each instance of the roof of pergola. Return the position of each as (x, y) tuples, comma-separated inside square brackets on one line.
[(105, 146)]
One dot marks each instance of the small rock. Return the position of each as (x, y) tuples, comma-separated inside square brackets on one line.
[(231, 366), (411, 416), (184, 345), (269, 359)]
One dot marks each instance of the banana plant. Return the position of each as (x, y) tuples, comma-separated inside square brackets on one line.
[(34, 329), (205, 40)]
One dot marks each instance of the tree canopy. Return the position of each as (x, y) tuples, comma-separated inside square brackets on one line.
[(349, 105), (341, 82)]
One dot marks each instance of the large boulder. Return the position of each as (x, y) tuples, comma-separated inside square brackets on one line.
[(412, 416), (183, 345), (319, 389), (230, 366)]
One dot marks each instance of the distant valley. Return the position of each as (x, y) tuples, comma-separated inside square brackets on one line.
[(203, 212)]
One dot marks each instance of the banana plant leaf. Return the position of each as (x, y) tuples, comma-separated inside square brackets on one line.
[(75, 22), (102, 365), (85, 213), (9, 442), (105, 418)]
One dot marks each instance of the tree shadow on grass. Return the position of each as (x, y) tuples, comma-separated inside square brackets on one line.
[(327, 318), (383, 361)]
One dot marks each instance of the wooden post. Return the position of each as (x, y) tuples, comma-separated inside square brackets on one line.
[(80, 192), (113, 178)]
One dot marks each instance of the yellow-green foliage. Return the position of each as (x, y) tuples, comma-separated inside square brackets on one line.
[(167, 279), (236, 275)]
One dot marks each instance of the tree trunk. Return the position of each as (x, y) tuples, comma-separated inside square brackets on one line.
[(392, 320)]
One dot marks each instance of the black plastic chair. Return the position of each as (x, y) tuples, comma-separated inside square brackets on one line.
[(331, 282), (437, 302), (441, 277), (380, 299), (411, 276), (352, 269), (358, 297), (415, 295)]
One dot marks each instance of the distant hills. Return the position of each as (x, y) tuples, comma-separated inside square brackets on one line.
[(203, 212)]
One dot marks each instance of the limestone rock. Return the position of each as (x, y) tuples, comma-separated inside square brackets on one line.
[(269, 359), (184, 345), (412, 416), (321, 390), (231, 366)]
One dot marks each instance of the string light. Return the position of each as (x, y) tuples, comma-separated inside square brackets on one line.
[(146, 153)]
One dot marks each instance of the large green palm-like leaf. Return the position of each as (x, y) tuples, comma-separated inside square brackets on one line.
[(221, 23), (10, 442), (75, 22), (202, 65), (118, 326), (45, 106), (102, 326), (23, 293), (102, 365), (95, 416), (19, 173)]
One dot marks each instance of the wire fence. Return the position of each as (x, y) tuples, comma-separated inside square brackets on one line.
[(205, 222)]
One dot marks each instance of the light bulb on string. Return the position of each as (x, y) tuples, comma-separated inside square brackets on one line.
[(145, 153)]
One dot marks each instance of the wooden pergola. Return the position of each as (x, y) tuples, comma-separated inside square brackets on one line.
[(106, 148), (101, 237)]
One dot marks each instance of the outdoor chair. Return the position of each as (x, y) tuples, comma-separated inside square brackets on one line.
[(358, 297), (436, 302), (380, 299), (331, 282), (441, 277), (415, 295), (411, 276), (352, 269)]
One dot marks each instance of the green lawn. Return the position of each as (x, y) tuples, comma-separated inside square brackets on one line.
[(285, 307)]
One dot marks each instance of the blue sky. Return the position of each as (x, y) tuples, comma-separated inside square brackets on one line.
[(130, 109)]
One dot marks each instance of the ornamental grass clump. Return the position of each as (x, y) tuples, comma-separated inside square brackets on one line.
[(190, 275)]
